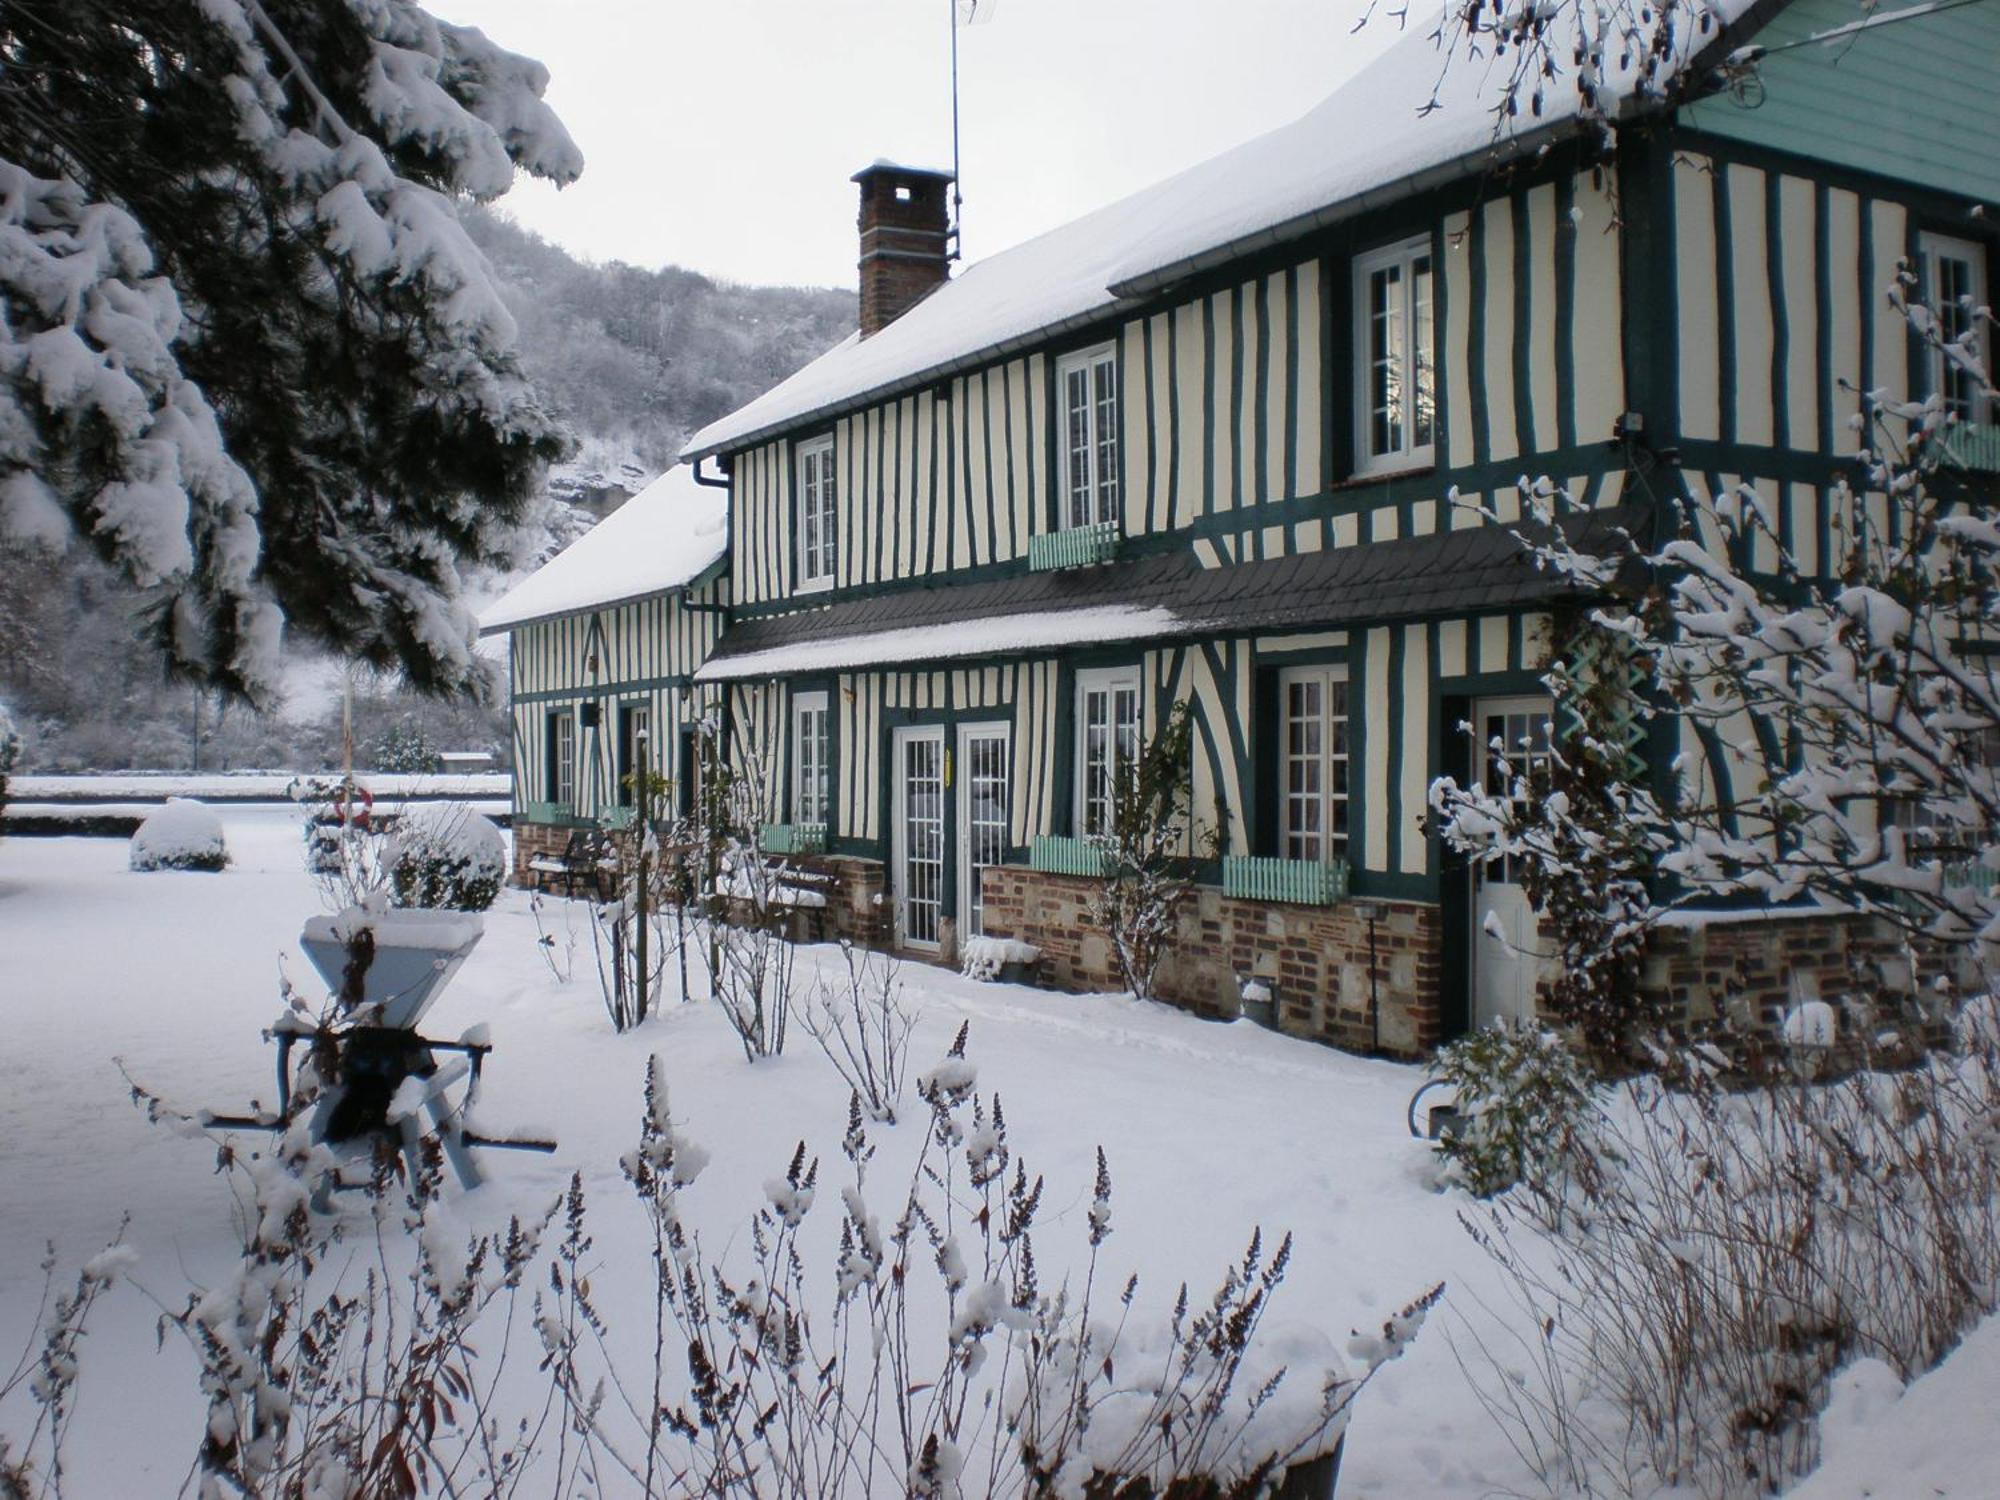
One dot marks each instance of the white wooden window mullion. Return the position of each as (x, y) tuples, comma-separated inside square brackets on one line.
[(819, 514), (1107, 725), (810, 791), (1395, 373), (1954, 287), (1088, 386)]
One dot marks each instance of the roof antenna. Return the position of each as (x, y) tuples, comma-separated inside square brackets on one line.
[(969, 13)]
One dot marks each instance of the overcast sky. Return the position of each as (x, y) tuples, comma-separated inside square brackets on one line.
[(721, 136)]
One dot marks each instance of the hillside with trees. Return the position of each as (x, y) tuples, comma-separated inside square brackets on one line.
[(630, 360)]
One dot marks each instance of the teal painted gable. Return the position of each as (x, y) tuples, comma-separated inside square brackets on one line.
[(1913, 99)]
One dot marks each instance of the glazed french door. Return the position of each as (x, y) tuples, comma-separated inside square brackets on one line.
[(919, 835), (1508, 958), (982, 816)]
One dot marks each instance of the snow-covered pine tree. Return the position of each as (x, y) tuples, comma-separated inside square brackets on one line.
[(246, 350)]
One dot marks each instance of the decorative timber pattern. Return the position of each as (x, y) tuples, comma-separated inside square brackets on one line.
[(1236, 421), (602, 665)]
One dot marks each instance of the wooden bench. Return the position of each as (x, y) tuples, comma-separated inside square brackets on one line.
[(590, 857)]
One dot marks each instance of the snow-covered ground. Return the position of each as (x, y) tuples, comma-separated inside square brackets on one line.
[(1210, 1129), (245, 786)]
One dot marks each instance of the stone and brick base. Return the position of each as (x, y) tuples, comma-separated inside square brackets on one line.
[(532, 840), (1746, 970), (1316, 960)]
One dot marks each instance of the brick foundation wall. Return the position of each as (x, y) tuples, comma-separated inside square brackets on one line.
[(1746, 972), (532, 839), (856, 908), (1314, 958)]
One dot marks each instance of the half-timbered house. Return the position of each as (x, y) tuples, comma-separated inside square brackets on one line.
[(603, 644), (1242, 440)]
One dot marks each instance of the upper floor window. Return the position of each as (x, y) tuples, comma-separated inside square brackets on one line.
[(819, 511), (1088, 389), (810, 745), (1314, 701), (1954, 287), (1107, 742), (1395, 375)]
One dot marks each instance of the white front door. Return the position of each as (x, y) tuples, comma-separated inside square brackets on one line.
[(1508, 953), (982, 816), (919, 835)]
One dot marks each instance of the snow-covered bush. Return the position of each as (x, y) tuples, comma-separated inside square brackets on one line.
[(986, 957), (1526, 1104), (864, 1028), (184, 834), (1697, 1273), (446, 856)]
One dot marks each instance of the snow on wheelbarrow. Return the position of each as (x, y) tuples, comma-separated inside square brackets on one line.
[(367, 1076)]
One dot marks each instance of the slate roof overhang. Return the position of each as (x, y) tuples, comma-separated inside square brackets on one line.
[(1474, 571)]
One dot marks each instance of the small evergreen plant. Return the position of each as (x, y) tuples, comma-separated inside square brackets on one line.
[(1150, 851)]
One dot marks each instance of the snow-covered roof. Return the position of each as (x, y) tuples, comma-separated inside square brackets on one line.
[(1367, 142), (1094, 626), (665, 537)]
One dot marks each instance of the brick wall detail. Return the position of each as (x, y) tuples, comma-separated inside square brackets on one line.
[(1315, 959)]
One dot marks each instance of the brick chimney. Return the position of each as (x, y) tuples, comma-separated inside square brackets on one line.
[(905, 228)]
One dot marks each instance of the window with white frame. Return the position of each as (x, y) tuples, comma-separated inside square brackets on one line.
[(1395, 374), (1087, 388), (1313, 710), (1954, 288), (1107, 741), (819, 514), (810, 744), (561, 779)]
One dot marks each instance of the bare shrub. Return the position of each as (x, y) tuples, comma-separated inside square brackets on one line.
[(366, 1354), (1714, 1253), (945, 1367), (332, 1368), (46, 1374), (864, 1028)]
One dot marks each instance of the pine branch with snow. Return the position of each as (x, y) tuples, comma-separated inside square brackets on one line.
[(248, 353)]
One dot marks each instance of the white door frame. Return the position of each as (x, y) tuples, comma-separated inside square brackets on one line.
[(900, 738), (1504, 969), (968, 892)]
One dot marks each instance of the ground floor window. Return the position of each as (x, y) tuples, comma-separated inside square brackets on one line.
[(1107, 741), (561, 778), (811, 746), (635, 752), (1314, 773)]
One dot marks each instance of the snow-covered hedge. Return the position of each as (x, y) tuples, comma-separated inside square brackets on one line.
[(10, 751), (183, 835), (446, 857)]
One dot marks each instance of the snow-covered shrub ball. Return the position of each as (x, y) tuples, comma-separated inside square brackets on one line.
[(183, 835), (446, 857), (1527, 1103)]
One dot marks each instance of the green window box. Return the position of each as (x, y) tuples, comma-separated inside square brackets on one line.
[(1078, 547), (793, 838), (1296, 881), (1056, 855)]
